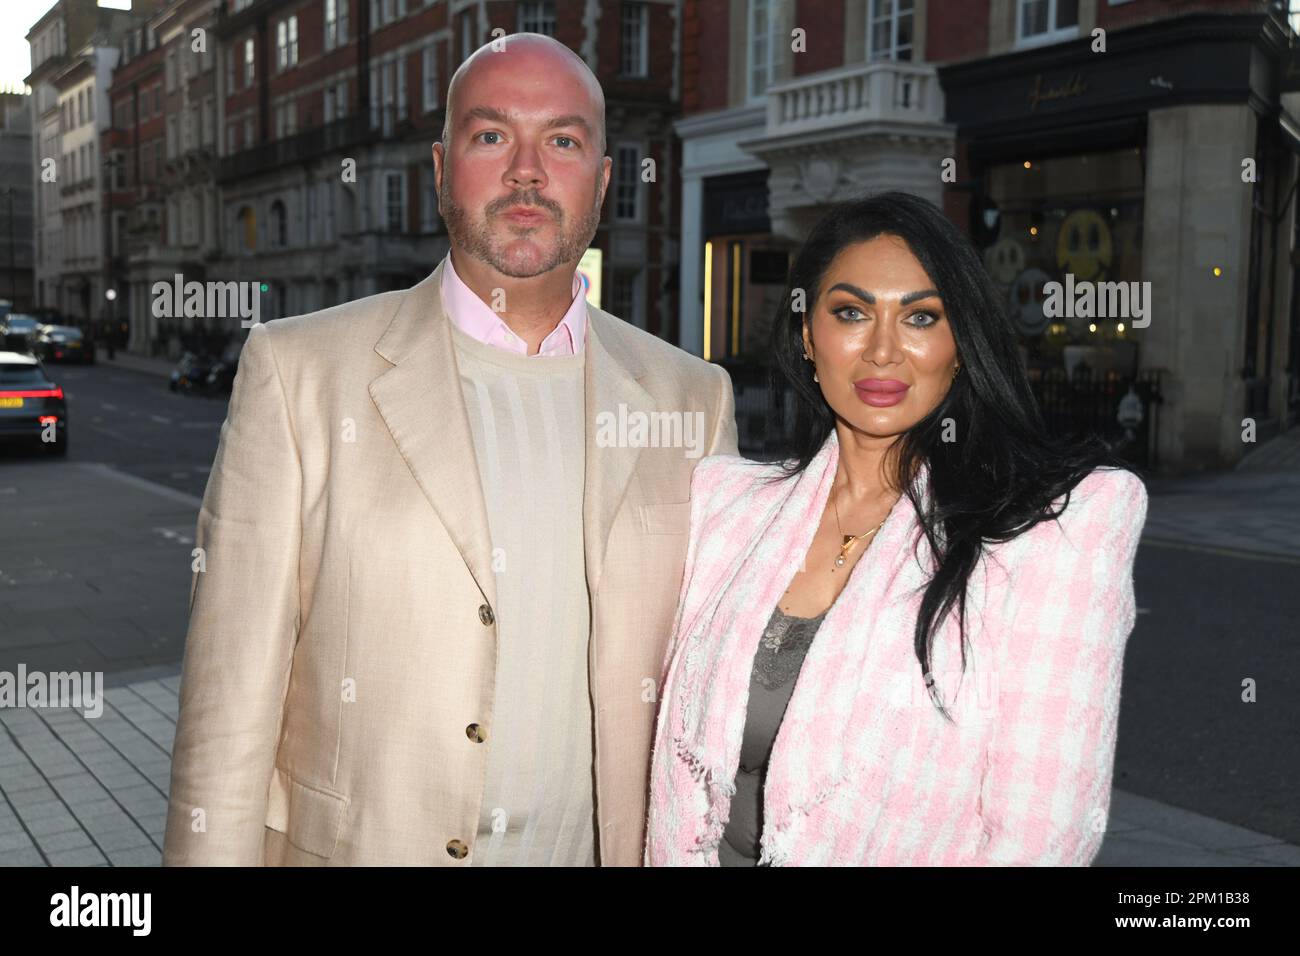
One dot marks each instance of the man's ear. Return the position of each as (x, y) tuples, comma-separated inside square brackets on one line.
[(439, 155)]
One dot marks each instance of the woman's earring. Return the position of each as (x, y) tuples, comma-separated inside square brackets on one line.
[(809, 358)]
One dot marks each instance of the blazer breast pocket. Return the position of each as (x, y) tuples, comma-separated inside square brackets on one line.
[(310, 818), (665, 517)]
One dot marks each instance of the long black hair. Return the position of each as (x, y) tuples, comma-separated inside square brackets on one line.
[(1002, 477)]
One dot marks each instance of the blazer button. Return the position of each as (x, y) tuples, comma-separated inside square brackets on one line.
[(475, 733), (457, 849), (485, 615)]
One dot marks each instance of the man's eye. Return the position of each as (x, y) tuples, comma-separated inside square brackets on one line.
[(565, 139), (489, 133)]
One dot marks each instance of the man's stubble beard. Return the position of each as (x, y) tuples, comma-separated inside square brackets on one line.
[(476, 240)]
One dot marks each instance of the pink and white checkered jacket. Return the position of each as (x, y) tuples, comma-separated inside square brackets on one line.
[(865, 771)]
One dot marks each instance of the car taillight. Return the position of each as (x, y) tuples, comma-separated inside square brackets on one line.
[(56, 392)]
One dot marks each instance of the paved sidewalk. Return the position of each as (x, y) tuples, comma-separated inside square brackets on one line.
[(93, 792), (1254, 508)]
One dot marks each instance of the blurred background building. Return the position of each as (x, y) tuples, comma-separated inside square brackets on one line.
[(287, 142), (16, 230)]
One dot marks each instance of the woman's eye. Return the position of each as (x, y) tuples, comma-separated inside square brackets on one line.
[(847, 308), (928, 315)]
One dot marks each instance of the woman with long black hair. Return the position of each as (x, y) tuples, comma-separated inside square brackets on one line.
[(901, 644)]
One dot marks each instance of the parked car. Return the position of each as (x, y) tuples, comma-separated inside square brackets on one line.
[(63, 343), (18, 332), (191, 372), (29, 402), (221, 375)]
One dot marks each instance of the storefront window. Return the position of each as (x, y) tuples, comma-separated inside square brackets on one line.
[(1077, 221)]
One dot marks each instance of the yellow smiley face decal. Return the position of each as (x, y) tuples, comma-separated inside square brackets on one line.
[(1084, 246)]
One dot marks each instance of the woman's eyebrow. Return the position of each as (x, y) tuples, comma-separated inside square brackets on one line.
[(866, 296)]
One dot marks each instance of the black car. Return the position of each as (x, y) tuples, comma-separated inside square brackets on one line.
[(18, 331), (221, 374), (191, 372), (30, 403), (63, 343)]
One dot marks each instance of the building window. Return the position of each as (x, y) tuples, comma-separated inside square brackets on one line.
[(395, 202), (248, 228), (286, 43), (889, 30), (537, 16), (248, 62), (170, 71), (766, 46), (336, 23), (635, 33), (248, 132), (627, 187), (1046, 21), (625, 296), (279, 225), (466, 36), (429, 78)]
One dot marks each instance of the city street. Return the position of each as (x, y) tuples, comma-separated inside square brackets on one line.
[(94, 548), (94, 575)]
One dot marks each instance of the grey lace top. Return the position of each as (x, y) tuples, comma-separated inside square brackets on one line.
[(780, 655)]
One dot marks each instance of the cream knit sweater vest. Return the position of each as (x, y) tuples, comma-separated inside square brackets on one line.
[(527, 418)]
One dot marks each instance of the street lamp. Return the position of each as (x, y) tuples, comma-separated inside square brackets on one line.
[(111, 295)]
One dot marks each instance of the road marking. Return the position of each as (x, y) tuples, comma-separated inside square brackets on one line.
[(161, 420), (175, 535)]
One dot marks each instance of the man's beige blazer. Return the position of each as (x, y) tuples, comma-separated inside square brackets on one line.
[(342, 631)]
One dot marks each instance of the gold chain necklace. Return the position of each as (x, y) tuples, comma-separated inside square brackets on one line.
[(849, 540)]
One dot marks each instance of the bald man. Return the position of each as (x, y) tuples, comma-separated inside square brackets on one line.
[(440, 550)]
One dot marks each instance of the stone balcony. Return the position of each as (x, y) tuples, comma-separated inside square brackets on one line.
[(837, 134)]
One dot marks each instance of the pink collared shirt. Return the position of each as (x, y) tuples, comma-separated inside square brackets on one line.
[(473, 317)]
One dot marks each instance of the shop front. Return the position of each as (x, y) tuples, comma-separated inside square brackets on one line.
[(1091, 173)]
